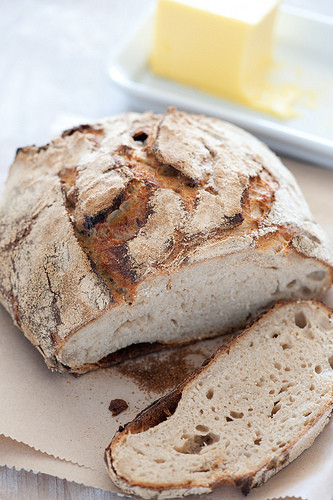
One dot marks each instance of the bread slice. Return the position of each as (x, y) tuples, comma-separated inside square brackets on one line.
[(151, 229), (252, 409)]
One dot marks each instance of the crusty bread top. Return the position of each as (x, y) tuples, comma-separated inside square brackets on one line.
[(250, 410), (90, 216)]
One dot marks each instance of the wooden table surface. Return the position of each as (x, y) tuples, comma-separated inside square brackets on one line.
[(53, 68)]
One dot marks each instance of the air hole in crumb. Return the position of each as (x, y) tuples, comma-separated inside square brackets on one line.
[(236, 414), (159, 461), (209, 393), (174, 322), (303, 365), (140, 136), (202, 428), (260, 382), (257, 441), (291, 284), (318, 369), (316, 275), (287, 369), (275, 335), (271, 391), (196, 443), (306, 291), (285, 346), (228, 419), (330, 360), (300, 319), (307, 413), (276, 408), (312, 387), (277, 365)]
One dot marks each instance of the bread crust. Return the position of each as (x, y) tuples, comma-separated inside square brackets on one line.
[(165, 406), (84, 225)]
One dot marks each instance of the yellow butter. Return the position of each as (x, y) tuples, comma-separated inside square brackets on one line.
[(223, 47)]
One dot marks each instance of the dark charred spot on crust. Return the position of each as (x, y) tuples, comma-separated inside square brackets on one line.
[(245, 484), (83, 129), (66, 367), (91, 221), (117, 406), (156, 413), (43, 148), (235, 220), (36, 149), (22, 150)]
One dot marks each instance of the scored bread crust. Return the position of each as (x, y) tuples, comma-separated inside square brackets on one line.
[(94, 219), (164, 408)]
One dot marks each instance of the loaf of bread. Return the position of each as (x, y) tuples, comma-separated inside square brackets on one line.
[(146, 230), (252, 409)]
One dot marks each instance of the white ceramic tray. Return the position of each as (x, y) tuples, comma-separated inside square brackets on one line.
[(304, 46)]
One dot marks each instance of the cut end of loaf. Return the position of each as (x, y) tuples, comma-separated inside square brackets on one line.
[(201, 300), (256, 405)]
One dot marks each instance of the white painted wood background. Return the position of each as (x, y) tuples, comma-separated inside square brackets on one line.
[(44, 74)]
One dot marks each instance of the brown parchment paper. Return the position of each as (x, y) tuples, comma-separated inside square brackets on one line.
[(63, 424), (21, 456)]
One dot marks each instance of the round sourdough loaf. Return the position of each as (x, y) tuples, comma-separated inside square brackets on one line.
[(151, 230)]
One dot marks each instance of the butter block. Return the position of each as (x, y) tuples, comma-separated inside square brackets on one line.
[(223, 47)]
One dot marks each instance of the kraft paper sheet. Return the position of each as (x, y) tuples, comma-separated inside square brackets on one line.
[(60, 425)]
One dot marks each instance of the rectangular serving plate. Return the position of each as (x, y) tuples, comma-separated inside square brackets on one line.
[(304, 55)]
